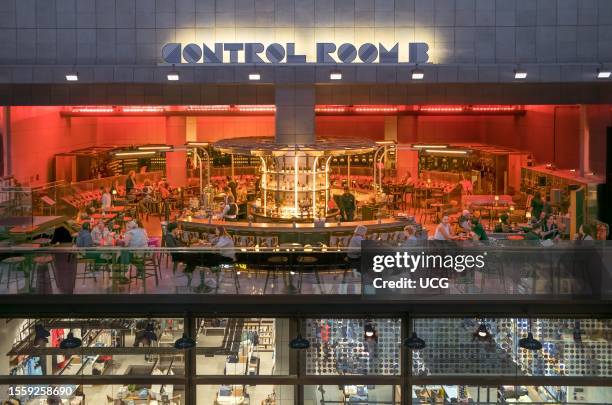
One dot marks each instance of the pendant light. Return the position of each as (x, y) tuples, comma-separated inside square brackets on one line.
[(529, 342), (299, 342), (40, 335), (185, 342), (70, 341), (414, 342), (146, 336), (482, 333)]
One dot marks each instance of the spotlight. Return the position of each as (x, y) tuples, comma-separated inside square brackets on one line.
[(335, 75), (70, 342), (482, 333), (72, 76), (254, 76), (173, 75), (414, 342), (529, 343), (417, 74), (369, 331), (520, 74), (299, 343), (41, 335), (184, 342), (603, 74)]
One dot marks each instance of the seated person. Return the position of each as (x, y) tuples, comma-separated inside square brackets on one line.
[(84, 237), (100, 234), (549, 229), (464, 221), (354, 247), (191, 260), (410, 234), (135, 237), (106, 199), (443, 230), (224, 252)]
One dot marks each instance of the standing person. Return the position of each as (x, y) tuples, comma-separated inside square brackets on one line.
[(130, 182), (233, 186), (443, 230), (347, 207), (230, 211), (537, 206), (106, 200)]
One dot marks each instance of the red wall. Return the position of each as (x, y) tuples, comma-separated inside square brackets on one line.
[(371, 127), (216, 128), (38, 134)]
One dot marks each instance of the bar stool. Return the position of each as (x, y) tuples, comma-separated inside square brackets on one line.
[(14, 264), (146, 267), (274, 264), (44, 263), (302, 262)]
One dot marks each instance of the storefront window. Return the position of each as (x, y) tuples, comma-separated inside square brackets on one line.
[(353, 346), (352, 394), (243, 346), (570, 347), (507, 394), (228, 394)]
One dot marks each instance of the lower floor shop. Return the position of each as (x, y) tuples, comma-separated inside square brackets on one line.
[(255, 361)]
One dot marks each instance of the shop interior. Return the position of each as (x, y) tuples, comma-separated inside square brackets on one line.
[(234, 347)]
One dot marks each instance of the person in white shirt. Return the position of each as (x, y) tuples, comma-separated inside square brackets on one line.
[(223, 253), (106, 200), (100, 234), (135, 237), (443, 230)]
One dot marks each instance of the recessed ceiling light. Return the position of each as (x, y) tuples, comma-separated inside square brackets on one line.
[(603, 74), (417, 74), (173, 76), (335, 75), (254, 76), (520, 74), (72, 76)]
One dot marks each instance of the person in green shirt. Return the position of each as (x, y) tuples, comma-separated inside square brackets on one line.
[(478, 230)]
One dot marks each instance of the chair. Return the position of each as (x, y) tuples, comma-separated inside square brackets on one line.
[(274, 264), (44, 263), (14, 264), (147, 266)]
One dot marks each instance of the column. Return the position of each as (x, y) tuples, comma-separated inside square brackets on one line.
[(295, 115), (176, 162), (585, 139)]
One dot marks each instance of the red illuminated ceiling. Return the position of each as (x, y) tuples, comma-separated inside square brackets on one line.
[(227, 109)]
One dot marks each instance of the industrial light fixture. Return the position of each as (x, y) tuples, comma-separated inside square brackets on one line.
[(520, 74), (529, 342), (70, 342), (447, 151), (173, 75), (369, 331), (414, 342), (40, 335), (299, 343), (603, 73), (335, 75), (254, 76), (417, 74), (482, 333), (135, 153), (155, 147), (203, 144), (185, 342), (429, 146), (72, 76), (147, 336)]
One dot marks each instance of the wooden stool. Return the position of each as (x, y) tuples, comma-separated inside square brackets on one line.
[(42, 263), (14, 264)]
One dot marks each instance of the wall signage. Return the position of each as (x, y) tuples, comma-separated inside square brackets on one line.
[(326, 53)]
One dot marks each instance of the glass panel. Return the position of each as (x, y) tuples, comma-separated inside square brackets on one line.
[(353, 346), (570, 347), (245, 394), (109, 347), (243, 346), (509, 394), (353, 394), (84, 394)]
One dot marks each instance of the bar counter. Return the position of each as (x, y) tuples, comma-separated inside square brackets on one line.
[(288, 232)]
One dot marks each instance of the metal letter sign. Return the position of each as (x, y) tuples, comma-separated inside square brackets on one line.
[(326, 52)]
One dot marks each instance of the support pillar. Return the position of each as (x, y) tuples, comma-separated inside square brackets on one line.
[(176, 162), (585, 139), (295, 115)]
